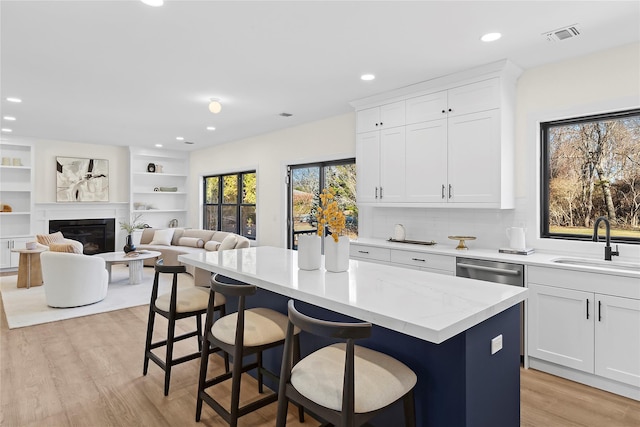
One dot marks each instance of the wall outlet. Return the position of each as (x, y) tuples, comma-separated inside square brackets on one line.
[(496, 344)]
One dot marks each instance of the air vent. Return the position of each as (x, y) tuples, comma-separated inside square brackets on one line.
[(189, 142), (562, 33), (285, 114)]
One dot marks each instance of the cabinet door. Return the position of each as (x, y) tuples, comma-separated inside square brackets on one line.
[(392, 115), (392, 165), (474, 158), (5, 253), (617, 338), (368, 120), (560, 326), (368, 166), (474, 97), (426, 162), (428, 107)]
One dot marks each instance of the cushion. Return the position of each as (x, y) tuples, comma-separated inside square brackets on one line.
[(261, 326), (68, 245), (212, 245), (47, 239), (189, 299), (379, 379), (193, 242), (200, 234), (147, 236), (177, 234), (229, 242), (162, 237)]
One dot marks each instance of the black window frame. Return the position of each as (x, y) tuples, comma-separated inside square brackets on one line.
[(238, 204), (545, 174)]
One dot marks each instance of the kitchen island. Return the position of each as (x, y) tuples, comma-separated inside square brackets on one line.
[(442, 327)]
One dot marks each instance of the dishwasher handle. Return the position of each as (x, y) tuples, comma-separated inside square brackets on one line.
[(490, 269)]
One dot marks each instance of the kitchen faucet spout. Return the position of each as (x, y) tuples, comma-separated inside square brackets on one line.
[(607, 249)]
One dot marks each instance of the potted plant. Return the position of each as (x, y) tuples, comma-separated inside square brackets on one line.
[(130, 226)]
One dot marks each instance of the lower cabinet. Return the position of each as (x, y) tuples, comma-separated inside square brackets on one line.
[(434, 263), (10, 259), (587, 331)]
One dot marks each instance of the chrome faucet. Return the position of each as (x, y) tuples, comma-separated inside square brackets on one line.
[(607, 249)]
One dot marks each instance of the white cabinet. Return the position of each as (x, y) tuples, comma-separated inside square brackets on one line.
[(159, 186), (573, 321), (16, 178), (426, 162), (417, 260), (382, 117), (10, 259), (380, 165)]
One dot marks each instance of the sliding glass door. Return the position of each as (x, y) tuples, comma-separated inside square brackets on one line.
[(305, 182)]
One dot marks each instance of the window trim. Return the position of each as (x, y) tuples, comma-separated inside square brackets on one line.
[(543, 185), (238, 204)]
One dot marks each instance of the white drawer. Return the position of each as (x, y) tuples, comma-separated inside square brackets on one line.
[(369, 252), (421, 259)]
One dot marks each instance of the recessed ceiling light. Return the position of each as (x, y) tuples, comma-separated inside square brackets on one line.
[(180, 138), (159, 145), (211, 128), (367, 77), (10, 118), (7, 130), (14, 99), (154, 3), (490, 37)]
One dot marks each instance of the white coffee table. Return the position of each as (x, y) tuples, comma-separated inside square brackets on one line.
[(136, 263)]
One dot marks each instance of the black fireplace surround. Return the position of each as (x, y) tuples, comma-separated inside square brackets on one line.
[(97, 235)]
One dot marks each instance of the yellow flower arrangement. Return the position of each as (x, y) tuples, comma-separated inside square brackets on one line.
[(329, 216)]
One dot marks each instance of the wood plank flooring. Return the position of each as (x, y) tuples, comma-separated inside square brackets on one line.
[(88, 372)]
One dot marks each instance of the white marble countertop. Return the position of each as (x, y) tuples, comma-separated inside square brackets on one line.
[(542, 259), (428, 306)]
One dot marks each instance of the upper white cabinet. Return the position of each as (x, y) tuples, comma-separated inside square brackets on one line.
[(159, 187), (16, 178), (383, 179), (382, 117), (458, 146)]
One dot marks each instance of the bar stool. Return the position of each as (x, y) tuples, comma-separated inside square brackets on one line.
[(175, 305), (240, 334), (321, 383)]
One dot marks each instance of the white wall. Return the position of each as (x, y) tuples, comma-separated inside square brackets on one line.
[(269, 154)]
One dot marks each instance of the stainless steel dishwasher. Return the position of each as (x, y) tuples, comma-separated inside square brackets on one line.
[(505, 273)]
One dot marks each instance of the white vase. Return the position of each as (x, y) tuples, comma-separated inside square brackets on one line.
[(336, 255), (309, 251)]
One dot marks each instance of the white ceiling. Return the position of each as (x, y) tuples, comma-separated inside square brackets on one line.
[(122, 73)]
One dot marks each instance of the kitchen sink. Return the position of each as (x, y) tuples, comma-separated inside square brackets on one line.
[(595, 263)]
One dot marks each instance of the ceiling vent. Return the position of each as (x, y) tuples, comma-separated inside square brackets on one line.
[(562, 33), (285, 114)]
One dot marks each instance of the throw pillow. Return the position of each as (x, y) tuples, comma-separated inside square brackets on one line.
[(212, 245), (147, 236), (70, 246), (193, 242), (47, 239), (229, 242), (162, 237)]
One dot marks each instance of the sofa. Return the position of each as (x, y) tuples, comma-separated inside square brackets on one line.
[(172, 242)]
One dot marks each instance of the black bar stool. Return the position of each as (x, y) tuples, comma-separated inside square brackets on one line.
[(325, 381), (243, 333), (178, 304)]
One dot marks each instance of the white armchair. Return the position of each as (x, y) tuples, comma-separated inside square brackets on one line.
[(72, 280)]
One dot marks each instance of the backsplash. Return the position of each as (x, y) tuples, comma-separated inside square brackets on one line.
[(487, 225)]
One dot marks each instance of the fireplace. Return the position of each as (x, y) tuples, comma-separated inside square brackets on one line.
[(97, 235)]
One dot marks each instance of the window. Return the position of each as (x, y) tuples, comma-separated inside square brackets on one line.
[(591, 168), (230, 203), (305, 184)]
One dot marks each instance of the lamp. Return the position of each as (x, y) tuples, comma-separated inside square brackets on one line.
[(214, 106)]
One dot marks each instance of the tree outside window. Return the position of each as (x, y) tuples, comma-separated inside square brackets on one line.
[(591, 168), (230, 203)]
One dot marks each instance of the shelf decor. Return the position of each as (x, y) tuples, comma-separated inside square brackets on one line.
[(82, 180), (309, 252), (332, 223)]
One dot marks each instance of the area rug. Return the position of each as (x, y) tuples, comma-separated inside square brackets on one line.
[(26, 307)]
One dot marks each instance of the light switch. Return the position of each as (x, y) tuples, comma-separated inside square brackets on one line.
[(496, 344)]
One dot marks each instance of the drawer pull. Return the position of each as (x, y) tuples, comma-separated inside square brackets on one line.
[(363, 252), (418, 259)]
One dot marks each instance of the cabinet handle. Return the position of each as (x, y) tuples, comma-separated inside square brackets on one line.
[(587, 308), (450, 110), (376, 124), (599, 311), (443, 112), (443, 188), (381, 123), (450, 191), (363, 252), (381, 192), (418, 259), (376, 192)]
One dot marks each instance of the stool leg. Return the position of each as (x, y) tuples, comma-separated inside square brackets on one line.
[(150, 322), (259, 360), (199, 330), (296, 359), (235, 386), (168, 361), (204, 365)]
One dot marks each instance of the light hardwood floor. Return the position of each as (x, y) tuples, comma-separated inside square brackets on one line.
[(88, 372)]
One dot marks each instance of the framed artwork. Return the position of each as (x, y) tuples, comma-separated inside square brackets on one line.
[(82, 180)]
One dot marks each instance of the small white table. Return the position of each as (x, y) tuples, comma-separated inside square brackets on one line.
[(136, 262)]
